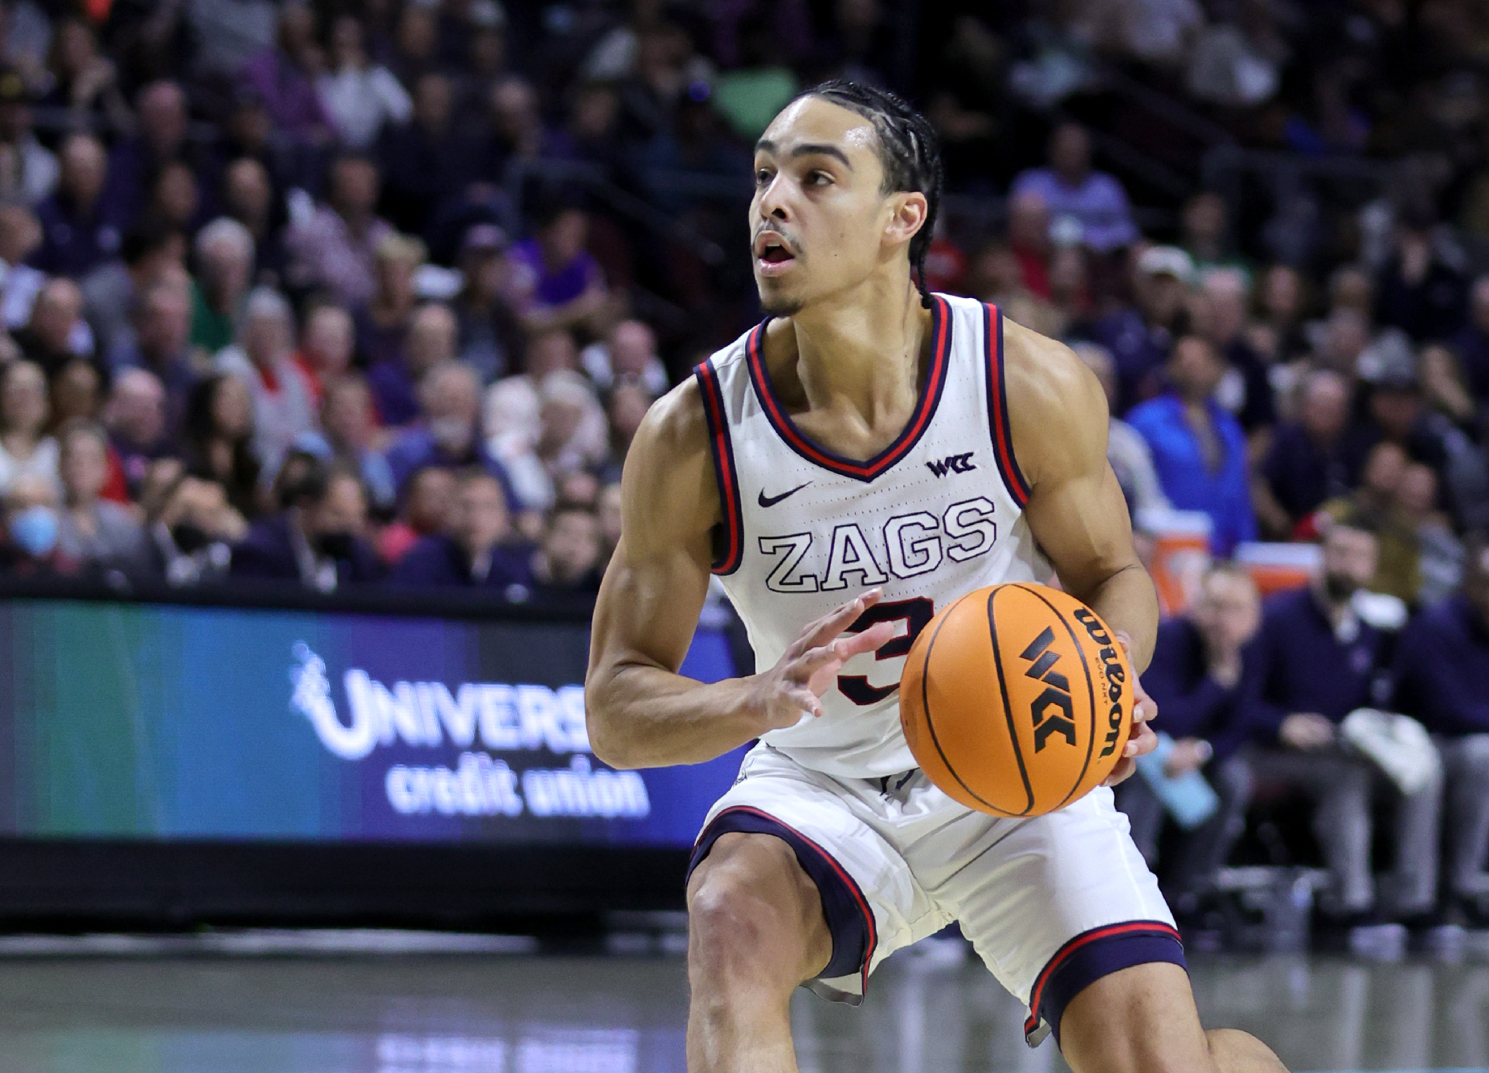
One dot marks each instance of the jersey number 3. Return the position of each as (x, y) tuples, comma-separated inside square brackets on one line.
[(916, 614)]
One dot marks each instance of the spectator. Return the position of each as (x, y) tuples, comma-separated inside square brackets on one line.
[(333, 248), (160, 142), (82, 81), (475, 553), (1443, 387), (1195, 678), (230, 33), (448, 433), (1139, 339), (24, 449), (160, 343), (1442, 662), (135, 416), (1307, 463), (1246, 389), (174, 198), (1316, 661), (490, 338), (283, 76), (1440, 554), (219, 436), (1126, 450), (79, 232), (1199, 450), (346, 437), (326, 347), (56, 332), (573, 433), (31, 527), (77, 392), (1282, 304), (625, 410), (28, 171), (224, 254), (514, 425), (1423, 288), (1069, 187), (1029, 239), (1206, 235), (264, 360), (432, 337), (630, 352), (358, 95), (1472, 342), (567, 562), (191, 528), (427, 161), (382, 328), (93, 531), (248, 197), (317, 539), (20, 237), (556, 282), (1378, 499), (428, 506), (111, 291)]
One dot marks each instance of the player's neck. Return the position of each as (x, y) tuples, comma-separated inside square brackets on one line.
[(863, 349)]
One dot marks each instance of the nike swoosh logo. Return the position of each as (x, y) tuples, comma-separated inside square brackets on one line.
[(770, 501)]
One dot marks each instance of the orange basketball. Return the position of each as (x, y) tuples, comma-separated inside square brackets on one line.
[(1016, 699)]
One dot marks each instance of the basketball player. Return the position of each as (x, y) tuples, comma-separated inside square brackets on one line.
[(861, 459)]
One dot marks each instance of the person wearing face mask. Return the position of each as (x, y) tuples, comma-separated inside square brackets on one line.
[(191, 526), (448, 433), (317, 541), (1315, 662), (478, 551), (31, 528)]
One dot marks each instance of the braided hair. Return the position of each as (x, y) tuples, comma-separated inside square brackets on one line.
[(909, 151)]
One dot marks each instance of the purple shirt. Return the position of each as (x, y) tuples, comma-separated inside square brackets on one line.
[(288, 95), (1099, 203), (544, 288)]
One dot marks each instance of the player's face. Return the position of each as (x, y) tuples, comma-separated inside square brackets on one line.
[(819, 221)]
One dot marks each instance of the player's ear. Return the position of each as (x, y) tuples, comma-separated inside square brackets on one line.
[(907, 216)]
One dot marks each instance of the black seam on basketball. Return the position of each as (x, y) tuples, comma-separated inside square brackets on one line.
[(1090, 691), (925, 706), (1013, 734)]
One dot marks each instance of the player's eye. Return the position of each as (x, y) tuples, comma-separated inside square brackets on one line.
[(762, 176), (818, 178)]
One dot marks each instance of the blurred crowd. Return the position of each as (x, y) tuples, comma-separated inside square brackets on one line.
[(377, 292)]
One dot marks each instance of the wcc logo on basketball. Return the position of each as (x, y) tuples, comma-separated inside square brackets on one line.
[(1055, 696)]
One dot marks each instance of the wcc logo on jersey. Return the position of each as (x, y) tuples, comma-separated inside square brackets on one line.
[(1056, 693), (952, 464)]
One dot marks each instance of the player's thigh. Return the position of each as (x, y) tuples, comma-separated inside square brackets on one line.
[(1054, 903), (755, 915), (1140, 1019)]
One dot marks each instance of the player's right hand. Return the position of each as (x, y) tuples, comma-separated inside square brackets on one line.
[(809, 667)]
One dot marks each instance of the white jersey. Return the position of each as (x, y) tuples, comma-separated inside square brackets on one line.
[(936, 514)]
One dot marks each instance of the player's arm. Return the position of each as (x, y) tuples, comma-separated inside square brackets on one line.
[(1076, 510), (640, 711)]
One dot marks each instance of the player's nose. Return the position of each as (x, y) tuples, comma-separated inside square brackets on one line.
[(772, 203)]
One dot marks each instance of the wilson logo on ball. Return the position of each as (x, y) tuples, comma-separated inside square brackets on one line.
[(1055, 695), (1115, 675)]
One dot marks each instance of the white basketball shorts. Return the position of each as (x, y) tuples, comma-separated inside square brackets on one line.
[(1051, 904)]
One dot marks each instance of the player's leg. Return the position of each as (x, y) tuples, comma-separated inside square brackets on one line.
[(756, 930), (1467, 762), (1142, 1020)]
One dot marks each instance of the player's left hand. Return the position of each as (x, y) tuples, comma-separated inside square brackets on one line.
[(1141, 740)]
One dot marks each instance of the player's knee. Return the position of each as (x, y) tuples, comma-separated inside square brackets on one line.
[(745, 929)]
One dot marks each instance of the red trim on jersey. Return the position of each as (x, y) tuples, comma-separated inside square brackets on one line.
[(1036, 996), (997, 407), (925, 407), (723, 468), (838, 870)]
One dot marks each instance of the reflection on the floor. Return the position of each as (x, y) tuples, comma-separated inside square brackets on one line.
[(926, 1012)]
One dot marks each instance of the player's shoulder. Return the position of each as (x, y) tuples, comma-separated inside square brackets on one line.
[(1043, 373)]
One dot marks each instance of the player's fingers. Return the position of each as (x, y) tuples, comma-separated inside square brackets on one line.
[(1141, 741), (830, 625), (869, 640), (1124, 768), (806, 700), (1144, 709)]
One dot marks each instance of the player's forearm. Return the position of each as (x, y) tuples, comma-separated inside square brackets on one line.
[(645, 716), (1127, 602)]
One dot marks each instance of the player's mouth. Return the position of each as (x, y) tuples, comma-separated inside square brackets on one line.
[(772, 254)]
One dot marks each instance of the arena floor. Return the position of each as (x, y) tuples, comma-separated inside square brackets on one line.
[(530, 1014)]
